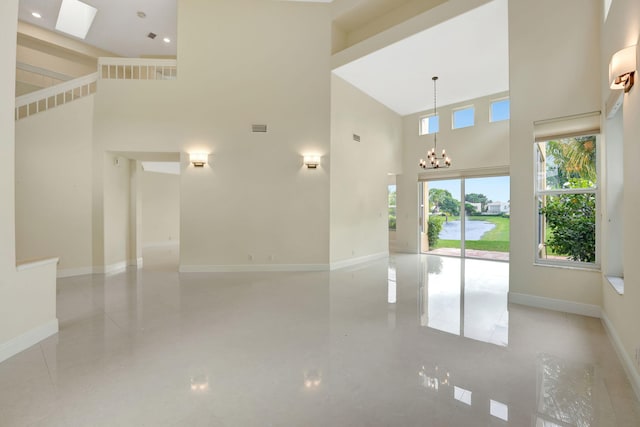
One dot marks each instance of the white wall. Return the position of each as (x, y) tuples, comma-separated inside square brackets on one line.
[(552, 74), (117, 226), (160, 194), (27, 297), (480, 149), (53, 189), (359, 172), (254, 205), (8, 18), (622, 29)]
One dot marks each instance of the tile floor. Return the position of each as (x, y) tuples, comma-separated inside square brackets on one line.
[(418, 340)]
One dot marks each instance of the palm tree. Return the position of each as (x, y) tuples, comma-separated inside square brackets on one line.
[(576, 157)]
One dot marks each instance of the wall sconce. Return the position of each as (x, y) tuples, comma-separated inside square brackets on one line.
[(311, 162), (622, 69), (198, 160)]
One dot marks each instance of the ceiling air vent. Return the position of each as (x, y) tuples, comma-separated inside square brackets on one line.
[(258, 128), (356, 137), (152, 35)]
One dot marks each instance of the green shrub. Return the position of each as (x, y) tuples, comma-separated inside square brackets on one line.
[(571, 218), (434, 226)]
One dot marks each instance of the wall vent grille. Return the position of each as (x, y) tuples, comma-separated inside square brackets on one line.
[(258, 128), (356, 137)]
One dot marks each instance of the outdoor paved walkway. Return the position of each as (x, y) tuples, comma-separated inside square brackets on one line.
[(471, 253)]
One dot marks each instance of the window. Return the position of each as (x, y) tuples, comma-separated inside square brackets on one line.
[(392, 207), (499, 110), (429, 124), (567, 200), (463, 117)]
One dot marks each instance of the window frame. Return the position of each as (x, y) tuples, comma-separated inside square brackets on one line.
[(427, 117), (389, 206), (538, 245), (493, 101), (471, 107)]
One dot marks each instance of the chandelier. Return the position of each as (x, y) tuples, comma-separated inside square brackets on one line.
[(433, 159)]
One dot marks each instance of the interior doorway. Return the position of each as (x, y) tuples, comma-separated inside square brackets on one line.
[(466, 217), (160, 205)]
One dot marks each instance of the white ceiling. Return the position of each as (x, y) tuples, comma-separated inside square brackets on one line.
[(117, 28), (469, 54)]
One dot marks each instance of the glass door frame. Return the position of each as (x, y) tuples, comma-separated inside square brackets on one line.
[(423, 212)]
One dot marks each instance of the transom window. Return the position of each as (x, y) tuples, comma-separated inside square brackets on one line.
[(463, 117), (499, 110), (567, 200), (429, 124)]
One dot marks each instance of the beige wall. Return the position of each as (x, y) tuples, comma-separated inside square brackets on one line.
[(37, 70), (160, 194), (480, 149), (254, 204), (552, 74), (53, 189), (45, 58), (27, 297), (359, 172), (622, 29), (117, 227)]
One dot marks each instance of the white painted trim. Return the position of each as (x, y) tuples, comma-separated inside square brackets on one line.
[(111, 269), (627, 363), (135, 263), (28, 265), (72, 272), (555, 304), (55, 90), (44, 72), (238, 268), (32, 337), (617, 283), (161, 62), (360, 260), (160, 244)]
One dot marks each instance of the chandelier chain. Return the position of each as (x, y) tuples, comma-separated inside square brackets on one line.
[(433, 158)]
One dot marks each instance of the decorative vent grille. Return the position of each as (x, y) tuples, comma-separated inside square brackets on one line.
[(258, 128)]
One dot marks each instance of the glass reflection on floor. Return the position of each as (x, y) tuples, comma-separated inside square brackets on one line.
[(465, 297)]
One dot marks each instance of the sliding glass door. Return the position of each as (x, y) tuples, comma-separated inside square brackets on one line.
[(477, 228)]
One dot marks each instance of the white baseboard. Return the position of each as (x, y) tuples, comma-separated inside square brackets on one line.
[(360, 260), (22, 342), (72, 272), (111, 268), (135, 263), (556, 304), (251, 268), (627, 362)]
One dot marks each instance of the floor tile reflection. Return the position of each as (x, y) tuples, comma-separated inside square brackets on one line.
[(415, 340)]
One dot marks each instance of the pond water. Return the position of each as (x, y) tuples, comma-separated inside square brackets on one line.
[(473, 231)]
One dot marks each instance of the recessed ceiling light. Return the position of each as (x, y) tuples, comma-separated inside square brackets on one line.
[(166, 40), (36, 15), (75, 18)]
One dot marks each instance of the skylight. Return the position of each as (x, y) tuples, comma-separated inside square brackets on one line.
[(75, 18)]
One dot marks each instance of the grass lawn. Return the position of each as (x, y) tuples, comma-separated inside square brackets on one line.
[(496, 239), (483, 245)]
